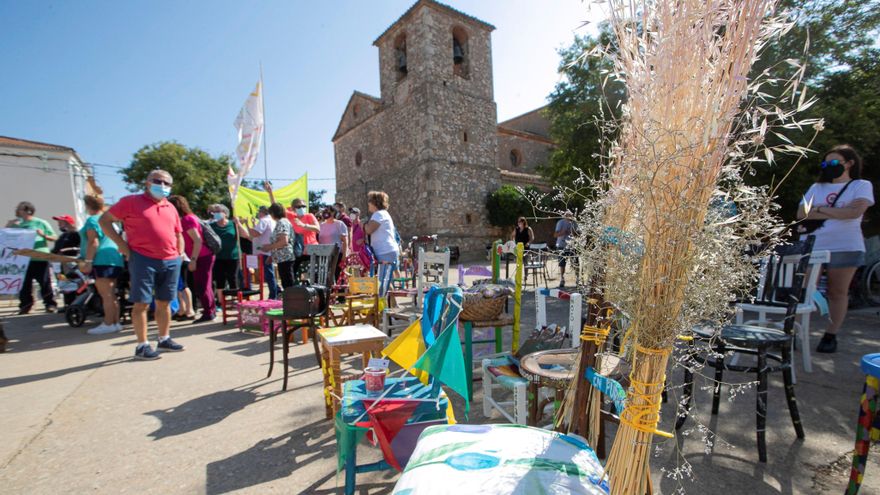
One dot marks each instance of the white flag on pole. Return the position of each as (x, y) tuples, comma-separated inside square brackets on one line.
[(249, 124)]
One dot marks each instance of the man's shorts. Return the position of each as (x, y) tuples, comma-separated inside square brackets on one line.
[(225, 274), (564, 255), (150, 275)]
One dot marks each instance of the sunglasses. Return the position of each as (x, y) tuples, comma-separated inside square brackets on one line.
[(830, 163), (160, 182)]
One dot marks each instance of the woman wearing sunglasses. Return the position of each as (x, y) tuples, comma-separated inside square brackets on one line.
[(841, 233)]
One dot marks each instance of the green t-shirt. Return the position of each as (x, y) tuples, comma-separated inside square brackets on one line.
[(228, 242), (107, 253), (40, 243)]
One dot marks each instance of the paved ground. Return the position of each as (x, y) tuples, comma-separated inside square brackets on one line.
[(81, 416)]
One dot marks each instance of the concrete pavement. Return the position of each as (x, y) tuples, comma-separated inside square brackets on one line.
[(81, 416)]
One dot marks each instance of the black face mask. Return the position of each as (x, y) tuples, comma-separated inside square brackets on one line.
[(831, 172)]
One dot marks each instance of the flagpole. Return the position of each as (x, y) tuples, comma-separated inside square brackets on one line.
[(265, 144)]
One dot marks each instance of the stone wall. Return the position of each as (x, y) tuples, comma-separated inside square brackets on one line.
[(530, 152)]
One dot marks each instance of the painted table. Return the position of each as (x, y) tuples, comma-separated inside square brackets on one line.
[(366, 340)]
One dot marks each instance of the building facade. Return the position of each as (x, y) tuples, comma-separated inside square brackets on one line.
[(51, 176), (432, 140)]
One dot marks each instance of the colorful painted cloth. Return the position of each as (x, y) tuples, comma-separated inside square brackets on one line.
[(501, 460)]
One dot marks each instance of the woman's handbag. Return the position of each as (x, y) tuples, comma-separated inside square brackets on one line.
[(810, 225)]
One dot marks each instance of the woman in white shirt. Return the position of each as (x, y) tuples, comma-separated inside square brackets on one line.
[(841, 234), (381, 230)]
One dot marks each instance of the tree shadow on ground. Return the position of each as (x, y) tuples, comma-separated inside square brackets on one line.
[(275, 458), (204, 411)]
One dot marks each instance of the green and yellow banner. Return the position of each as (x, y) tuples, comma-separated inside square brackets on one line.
[(248, 201)]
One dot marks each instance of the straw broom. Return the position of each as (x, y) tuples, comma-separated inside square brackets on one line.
[(685, 64)]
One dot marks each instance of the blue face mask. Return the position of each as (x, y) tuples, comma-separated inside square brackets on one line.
[(159, 191), (217, 216), (301, 211)]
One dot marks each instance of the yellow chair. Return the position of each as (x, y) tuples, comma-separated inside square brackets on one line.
[(361, 303)]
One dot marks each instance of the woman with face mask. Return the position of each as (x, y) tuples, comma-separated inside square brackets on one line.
[(227, 260), (201, 258), (839, 175), (334, 231)]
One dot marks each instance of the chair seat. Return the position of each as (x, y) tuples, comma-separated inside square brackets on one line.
[(768, 308), (749, 336), (403, 313), (502, 321)]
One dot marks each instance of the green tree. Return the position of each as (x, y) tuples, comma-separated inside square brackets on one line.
[(316, 199), (507, 204), (198, 176), (579, 104), (841, 71)]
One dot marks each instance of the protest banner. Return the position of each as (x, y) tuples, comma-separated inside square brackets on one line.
[(13, 266)]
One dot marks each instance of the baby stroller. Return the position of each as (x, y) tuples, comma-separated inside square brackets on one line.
[(85, 297), (87, 300)]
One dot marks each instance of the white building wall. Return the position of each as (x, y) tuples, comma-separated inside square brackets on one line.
[(53, 181)]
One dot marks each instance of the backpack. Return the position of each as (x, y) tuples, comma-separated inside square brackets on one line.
[(209, 237)]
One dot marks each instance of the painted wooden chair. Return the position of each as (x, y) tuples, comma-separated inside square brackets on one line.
[(711, 345), (361, 304), (502, 372), (399, 317)]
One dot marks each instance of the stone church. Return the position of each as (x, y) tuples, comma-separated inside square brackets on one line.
[(432, 140)]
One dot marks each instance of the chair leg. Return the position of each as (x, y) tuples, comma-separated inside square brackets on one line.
[(286, 347), (788, 382), (761, 410), (719, 375), (487, 389), (315, 345), (532, 400), (272, 334), (683, 409), (805, 343)]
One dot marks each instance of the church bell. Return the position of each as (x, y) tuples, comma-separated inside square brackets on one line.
[(457, 52), (401, 60)]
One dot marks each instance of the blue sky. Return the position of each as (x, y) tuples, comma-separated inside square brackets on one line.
[(108, 77)]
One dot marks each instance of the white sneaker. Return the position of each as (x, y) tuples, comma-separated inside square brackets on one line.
[(117, 326), (102, 329)]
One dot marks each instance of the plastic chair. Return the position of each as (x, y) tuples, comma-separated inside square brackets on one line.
[(868, 426), (503, 370)]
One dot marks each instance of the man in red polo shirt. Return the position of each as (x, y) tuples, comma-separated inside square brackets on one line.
[(153, 247)]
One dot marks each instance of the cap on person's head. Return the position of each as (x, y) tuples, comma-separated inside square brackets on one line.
[(66, 218), (263, 209), (355, 210)]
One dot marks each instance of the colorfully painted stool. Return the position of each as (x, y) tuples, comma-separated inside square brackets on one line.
[(252, 315), (868, 427), (363, 339)]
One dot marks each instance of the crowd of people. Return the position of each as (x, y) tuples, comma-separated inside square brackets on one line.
[(171, 254)]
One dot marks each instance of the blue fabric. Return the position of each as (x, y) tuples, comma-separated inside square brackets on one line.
[(149, 275)]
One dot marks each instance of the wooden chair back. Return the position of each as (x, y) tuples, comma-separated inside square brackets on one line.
[(322, 262)]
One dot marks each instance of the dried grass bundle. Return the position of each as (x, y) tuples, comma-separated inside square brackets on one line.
[(685, 65)]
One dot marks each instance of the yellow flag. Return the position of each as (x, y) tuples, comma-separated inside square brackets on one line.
[(248, 201), (407, 348)]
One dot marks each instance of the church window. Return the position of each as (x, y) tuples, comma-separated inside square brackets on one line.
[(464, 136), (355, 110), (400, 56), (467, 218), (358, 159), (460, 59), (515, 158)]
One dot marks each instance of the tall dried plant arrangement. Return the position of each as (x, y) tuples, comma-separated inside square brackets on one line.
[(685, 127)]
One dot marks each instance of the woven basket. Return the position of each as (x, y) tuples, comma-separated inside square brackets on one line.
[(475, 307)]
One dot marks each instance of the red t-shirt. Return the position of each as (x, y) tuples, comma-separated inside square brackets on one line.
[(151, 227), (309, 236)]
